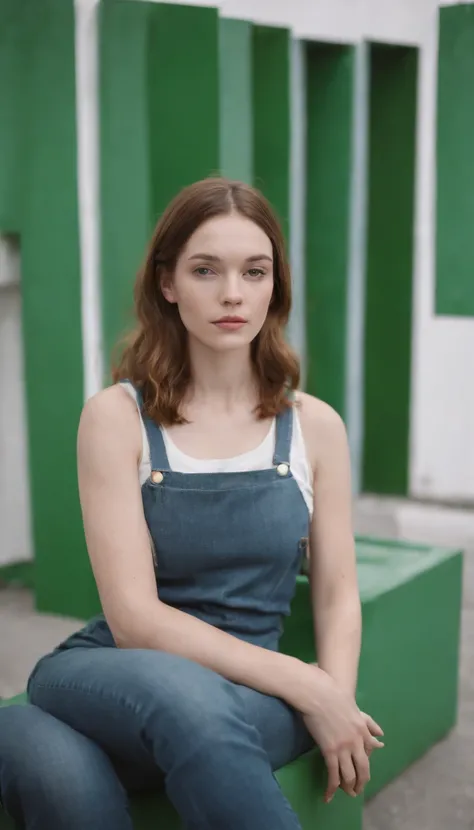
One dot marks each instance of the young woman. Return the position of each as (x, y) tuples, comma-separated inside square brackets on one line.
[(202, 474)]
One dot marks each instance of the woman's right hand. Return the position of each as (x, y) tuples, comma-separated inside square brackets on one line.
[(342, 734)]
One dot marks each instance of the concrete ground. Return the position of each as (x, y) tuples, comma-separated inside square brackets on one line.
[(437, 793)]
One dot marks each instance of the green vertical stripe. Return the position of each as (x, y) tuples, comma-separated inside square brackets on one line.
[(455, 162), (235, 84), (271, 117), (183, 95), (159, 117), (125, 184), (14, 33), (330, 82), (354, 402), (40, 190), (296, 330), (393, 91)]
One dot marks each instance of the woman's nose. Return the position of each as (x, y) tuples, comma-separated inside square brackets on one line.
[(232, 291)]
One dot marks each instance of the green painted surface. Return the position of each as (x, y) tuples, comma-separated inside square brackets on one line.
[(235, 85), (15, 35), (408, 676), (410, 657), (271, 117), (125, 187), (159, 117), (455, 162), (330, 83), (183, 96), (388, 324), (38, 200), (19, 573)]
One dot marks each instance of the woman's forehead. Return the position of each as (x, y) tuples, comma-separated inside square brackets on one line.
[(229, 235)]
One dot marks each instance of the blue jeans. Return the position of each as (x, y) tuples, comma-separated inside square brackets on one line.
[(103, 722)]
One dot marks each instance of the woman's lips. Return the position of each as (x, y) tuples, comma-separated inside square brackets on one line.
[(230, 325)]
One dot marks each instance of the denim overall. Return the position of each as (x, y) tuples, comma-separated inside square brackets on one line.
[(228, 548)]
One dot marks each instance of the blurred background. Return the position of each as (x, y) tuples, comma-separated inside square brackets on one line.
[(356, 119)]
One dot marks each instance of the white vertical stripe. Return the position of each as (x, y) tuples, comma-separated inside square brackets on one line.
[(87, 124), (297, 115), (355, 323)]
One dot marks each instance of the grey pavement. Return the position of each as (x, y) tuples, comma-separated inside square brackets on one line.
[(436, 793)]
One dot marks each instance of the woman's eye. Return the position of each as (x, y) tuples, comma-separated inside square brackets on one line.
[(203, 272), (256, 272)]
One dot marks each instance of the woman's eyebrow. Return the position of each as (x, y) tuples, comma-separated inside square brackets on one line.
[(209, 257), (213, 258), (258, 257)]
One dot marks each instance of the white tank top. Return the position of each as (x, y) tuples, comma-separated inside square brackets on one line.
[(260, 458)]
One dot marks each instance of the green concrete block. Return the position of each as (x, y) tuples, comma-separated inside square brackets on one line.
[(408, 678), (298, 632), (19, 699)]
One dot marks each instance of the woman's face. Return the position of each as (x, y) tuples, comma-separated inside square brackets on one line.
[(223, 282)]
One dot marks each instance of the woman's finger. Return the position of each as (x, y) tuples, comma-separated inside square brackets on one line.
[(332, 764), (347, 772), (373, 726), (371, 743), (362, 768)]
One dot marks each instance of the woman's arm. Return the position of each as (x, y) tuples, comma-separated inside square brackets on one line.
[(109, 446), (333, 574)]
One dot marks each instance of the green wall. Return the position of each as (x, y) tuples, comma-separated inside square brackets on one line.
[(235, 101), (330, 84), (271, 118), (175, 107), (388, 323), (184, 94), (455, 163), (159, 115), (125, 181), (38, 201)]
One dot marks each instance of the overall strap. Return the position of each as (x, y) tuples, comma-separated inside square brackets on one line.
[(158, 455), (284, 431)]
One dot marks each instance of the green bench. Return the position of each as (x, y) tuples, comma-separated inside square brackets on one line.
[(411, 600), (408, 675)]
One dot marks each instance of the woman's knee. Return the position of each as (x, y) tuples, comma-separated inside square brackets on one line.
[(46, 768)]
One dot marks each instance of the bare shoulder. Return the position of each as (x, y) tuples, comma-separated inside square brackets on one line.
[(109, 417), (316, 414), (323, 428)]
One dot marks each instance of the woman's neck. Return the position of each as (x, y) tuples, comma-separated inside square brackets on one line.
[(221, 379)]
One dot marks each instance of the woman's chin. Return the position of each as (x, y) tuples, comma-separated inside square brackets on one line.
[(226, 342)]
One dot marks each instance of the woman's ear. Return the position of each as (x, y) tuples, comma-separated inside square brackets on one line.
[(167, 287)]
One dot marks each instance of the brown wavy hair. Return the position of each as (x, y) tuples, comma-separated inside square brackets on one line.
[(155, 357)]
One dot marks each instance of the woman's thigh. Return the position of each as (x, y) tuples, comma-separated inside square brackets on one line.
[(115, 696), (124, 698)]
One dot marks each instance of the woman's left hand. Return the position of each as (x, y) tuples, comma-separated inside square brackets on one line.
[(377, 732)]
